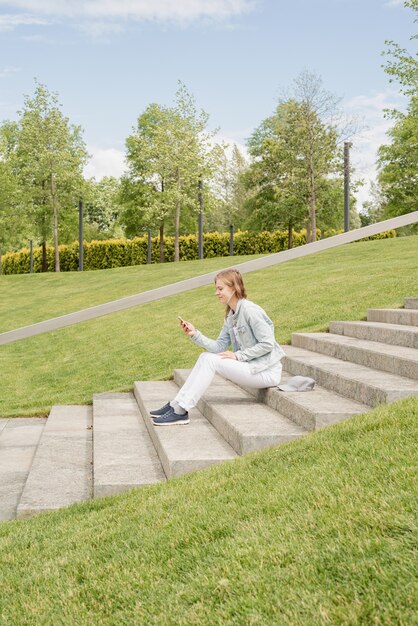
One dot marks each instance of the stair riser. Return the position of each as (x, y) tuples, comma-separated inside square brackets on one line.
[(405, 339), (402, 316), (356, 390), (411, 303), (386, 363)]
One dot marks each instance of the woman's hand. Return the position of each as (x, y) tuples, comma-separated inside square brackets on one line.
[(227, 355), (188, 328)]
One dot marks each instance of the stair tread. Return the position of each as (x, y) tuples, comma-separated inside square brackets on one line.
[(377, 378), (244, 422), (383, 325), (61, 469), (377, 347), (181, 448), (241, 409), (123, 453)]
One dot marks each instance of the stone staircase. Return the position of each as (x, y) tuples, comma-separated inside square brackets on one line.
[(83, 452)]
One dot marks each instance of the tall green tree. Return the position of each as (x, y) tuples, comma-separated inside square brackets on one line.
[(48, 160), (398, 160), (295, 154), (170, 150), (229, 187)]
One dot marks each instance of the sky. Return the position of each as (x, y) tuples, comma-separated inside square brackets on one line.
[(109, 59)]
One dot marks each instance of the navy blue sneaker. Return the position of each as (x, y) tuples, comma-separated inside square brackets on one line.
[(171, 418), (164, 409)]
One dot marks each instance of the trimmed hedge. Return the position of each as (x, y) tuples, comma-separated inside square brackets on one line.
[(99, 255)]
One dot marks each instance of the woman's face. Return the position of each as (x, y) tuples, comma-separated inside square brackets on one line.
[(223, 292)]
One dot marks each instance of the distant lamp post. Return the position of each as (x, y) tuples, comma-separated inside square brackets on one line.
[(31, 255), (347, 146), (80, 235), (200, 220)]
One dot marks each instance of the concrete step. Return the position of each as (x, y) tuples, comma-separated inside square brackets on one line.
[(380, 356), (311, 410), (181, 449), (393, 334), (246, 424), (411, 303), (124, 456), (409, 317), (61, 472), (360, 383), (19, 438)]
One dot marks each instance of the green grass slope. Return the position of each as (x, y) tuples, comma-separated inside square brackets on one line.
[(146, 343), (30, 298), (318, 531)]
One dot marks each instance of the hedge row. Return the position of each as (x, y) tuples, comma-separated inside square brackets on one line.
[(100, 255)]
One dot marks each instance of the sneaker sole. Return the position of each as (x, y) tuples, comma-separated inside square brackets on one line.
[(173, 423)]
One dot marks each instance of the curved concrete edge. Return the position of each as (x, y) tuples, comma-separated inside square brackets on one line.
[(204, 280)]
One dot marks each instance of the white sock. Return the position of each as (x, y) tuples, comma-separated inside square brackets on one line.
[(178, 410)]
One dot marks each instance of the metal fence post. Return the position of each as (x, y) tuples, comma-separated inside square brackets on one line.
[(31, 255), (347, 146), (231, 240), (80, 236), (200, 220), (149, 245)]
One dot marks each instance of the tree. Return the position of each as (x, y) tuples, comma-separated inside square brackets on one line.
[(102, 208), (48, 160), (398, 161), (295, 154), (229, 187), (169, 150)]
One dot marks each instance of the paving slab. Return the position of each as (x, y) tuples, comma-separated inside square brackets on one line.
[(18, 441), (247, 425), (393, 316), (61, 472), (363, 384), (181, 448), (124, 455), (3, 422), (380, 356), (393, 334), (311, 410)]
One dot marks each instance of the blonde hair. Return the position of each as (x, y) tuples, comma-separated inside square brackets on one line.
[(232, 278)]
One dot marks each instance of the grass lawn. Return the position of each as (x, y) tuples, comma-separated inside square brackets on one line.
[(30, 298), (320, 531), (146, 343)]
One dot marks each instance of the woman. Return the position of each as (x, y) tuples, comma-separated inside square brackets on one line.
[(254, 360)]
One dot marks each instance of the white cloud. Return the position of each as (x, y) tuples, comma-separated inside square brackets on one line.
[(394, 3), (139, 10), (365, 145), (104, 162), (10, 21), (7, 71)]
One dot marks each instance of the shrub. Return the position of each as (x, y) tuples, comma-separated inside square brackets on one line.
[(99, 255)]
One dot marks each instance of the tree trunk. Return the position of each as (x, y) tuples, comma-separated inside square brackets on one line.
[(44, 267), (290, 236), (55, 209), (162, 243)]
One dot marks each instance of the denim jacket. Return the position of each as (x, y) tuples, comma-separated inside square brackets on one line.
[(250, 332)]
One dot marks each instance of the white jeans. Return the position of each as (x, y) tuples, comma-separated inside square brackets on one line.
[(208, 364)]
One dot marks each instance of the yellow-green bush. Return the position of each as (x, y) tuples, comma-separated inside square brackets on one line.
[(123, 252)]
